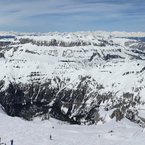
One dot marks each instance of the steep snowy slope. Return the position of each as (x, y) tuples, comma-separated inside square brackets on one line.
[(83, 77)]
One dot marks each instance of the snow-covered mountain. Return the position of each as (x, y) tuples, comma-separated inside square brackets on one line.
[(81, 77)]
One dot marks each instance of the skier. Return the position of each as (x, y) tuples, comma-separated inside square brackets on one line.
[(50, 137), (12, 142)]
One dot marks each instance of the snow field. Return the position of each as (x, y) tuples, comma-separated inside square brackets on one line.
[(38, 132)]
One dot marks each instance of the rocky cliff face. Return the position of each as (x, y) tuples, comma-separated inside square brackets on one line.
[(81, 78)]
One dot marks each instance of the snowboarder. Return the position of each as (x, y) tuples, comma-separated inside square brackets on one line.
[(1, 143)]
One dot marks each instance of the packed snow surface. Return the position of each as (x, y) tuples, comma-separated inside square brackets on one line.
[(38, 132)]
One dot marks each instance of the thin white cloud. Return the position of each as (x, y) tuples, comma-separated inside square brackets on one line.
[(17, 12), (26, 9)]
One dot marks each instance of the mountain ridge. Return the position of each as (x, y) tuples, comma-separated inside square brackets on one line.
[(114, 33), (82, 77)]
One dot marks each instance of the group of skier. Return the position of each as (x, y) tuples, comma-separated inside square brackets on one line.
[(12, 141), (2, 143)]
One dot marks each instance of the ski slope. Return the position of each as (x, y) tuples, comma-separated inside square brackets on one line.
[(38, 132)]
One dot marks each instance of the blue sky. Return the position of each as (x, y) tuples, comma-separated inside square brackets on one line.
[(72, 15)]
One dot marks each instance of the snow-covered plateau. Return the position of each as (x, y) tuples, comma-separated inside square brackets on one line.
[(88, 78)]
